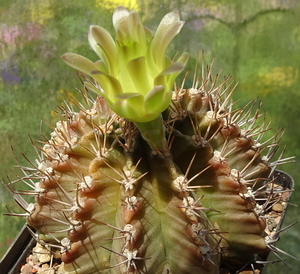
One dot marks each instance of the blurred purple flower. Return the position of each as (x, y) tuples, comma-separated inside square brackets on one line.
[(10, 75)]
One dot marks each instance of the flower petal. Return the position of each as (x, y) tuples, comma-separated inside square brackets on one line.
[(138, 72), (136, 29), (148, 35), (103, 44), (174, 67), (181, 60), (93, 88), (101, 66), (168, 28), (120, 23), (79, 62), (127, 95), (120, 19), (157, 100), (110, 85), (125, 110), (133, 100), (169, 74)]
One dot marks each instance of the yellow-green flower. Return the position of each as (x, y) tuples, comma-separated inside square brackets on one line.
[(134, 75)]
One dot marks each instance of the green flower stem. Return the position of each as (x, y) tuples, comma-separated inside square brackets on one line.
[(153, 133)]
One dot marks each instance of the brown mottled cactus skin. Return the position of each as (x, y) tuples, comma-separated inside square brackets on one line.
[(111, 196), (111, 204)]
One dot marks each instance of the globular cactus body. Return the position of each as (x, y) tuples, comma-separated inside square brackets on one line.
[(125, 206), (111, 198)]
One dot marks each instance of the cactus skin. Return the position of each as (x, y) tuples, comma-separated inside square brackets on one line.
[(111, 203), (112, 186)]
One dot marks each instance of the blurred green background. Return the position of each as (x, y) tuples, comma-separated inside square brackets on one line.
[(257, 42)]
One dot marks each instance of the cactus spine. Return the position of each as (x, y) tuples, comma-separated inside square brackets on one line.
[(111, 198)]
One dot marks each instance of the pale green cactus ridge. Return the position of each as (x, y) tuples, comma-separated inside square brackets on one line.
[(134, 74)]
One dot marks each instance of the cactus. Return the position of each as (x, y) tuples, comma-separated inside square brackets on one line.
[(144, 178)]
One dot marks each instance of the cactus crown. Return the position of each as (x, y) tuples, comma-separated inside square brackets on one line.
[(143, 179)]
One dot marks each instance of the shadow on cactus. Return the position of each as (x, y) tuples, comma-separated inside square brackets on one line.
[(147, 178)]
